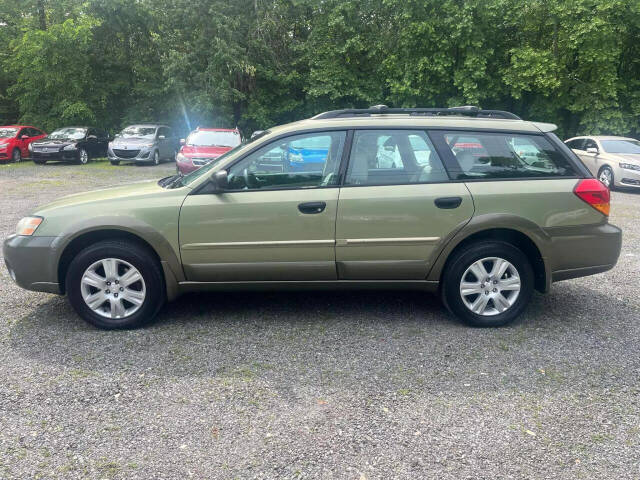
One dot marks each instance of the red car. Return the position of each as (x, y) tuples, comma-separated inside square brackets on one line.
[(205, 145), (15, 140)]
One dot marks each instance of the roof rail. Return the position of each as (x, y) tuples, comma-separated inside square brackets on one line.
[(467, 110)]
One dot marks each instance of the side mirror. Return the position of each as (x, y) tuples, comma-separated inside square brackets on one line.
[(220, 181), (182, 141), (92, 137), (161, 137), (256, 134), (592, 150), (24, 137)]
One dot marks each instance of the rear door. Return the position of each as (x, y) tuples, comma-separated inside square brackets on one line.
[(397, 207)]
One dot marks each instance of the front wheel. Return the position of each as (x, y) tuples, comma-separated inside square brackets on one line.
[(115, 284), (83, 157), (488, 284), (156, 158), (17, 156), (605, 175)]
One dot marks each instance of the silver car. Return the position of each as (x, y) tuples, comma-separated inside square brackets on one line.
[(615, 161), (144, 143)]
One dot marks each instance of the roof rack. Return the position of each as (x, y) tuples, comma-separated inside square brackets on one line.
[(467, 110)]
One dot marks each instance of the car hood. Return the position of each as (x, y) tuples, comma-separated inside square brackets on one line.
[(131, 142), (209, 152), (5, 140), (625, 157), (109, 196)]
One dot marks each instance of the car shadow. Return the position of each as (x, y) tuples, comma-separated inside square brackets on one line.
[(391, 338)]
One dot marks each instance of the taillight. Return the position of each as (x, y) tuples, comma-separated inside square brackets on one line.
[(594, 193)]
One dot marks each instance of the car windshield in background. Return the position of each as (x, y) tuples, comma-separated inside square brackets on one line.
[(8, 132), (203, 138), (68, 134), (138, 132), (621, 146)]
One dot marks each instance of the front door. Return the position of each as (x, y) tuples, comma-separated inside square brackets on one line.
[(396, 207), (276, 221)]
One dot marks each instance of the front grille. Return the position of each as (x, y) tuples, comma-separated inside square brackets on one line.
[(47, 149), (126, 153), (198, 162)]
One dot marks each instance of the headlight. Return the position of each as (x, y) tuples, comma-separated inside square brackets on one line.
[(629, 166), (147, 145), (28, 225), (30, 147), (181, 158), (70, 147), (4, 146)]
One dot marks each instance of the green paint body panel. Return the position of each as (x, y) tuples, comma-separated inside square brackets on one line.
[(367, 236)]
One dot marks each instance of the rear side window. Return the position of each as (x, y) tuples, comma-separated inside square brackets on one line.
[(482, 155), (575, 144), (393, 157)]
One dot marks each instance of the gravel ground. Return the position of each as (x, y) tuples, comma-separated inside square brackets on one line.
[(317, 385)]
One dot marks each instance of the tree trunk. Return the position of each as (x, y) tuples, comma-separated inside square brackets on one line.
[(42, 16)]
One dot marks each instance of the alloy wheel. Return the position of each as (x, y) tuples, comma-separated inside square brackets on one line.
[(17, 156), (156, 158), (84, 157), (490, 286), (113, 288), (606, 176)]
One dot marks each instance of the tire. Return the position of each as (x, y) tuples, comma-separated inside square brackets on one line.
[(494, 314), (39, 162), (605, 175), (16, 156), (115, 163), (156, 158), (150, 290), (83, 157)]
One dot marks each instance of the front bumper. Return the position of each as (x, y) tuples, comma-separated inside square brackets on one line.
[(130, 155), (61, 156), (29, 261), (627, 178)]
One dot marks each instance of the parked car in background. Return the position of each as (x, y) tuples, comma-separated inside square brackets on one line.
[(15, 141), (145, 143), (205, 145), (482, 232), (70, 144), (615, 161)]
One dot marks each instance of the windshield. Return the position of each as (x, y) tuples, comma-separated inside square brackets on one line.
[(621, 146), (8, 132), (138, 132), (68, 134), (204, 138), (204, 169)]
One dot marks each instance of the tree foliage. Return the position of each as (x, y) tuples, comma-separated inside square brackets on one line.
[(255, 63)]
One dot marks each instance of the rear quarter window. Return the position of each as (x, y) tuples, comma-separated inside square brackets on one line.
[(483, 155)]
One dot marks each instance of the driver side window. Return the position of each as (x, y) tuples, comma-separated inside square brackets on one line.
[(300, 161)]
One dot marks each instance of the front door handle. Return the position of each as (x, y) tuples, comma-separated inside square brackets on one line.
[(312, 207), (448, 202)]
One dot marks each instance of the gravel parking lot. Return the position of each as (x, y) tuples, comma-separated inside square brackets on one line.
[(372, 385)]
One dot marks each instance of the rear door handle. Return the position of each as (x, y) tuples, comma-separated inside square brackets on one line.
[(448, 202), (312, 207)]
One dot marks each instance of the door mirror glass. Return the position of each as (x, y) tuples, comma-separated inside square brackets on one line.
[(182, 141), (592, 150), (161, 137), (220, 181)]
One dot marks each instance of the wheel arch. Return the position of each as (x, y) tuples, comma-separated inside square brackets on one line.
[(529, 240), (157, 246)]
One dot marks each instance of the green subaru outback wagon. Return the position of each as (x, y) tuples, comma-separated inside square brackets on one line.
[(441, 200)]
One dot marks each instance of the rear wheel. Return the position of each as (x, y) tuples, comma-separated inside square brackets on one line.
[(605, 175), (115, 284), (488, 284), (17, 156)]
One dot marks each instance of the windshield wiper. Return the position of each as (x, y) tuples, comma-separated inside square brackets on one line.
[(171, 182)]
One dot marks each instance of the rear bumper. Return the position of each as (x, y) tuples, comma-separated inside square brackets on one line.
[(579, 251), (30, 263)]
